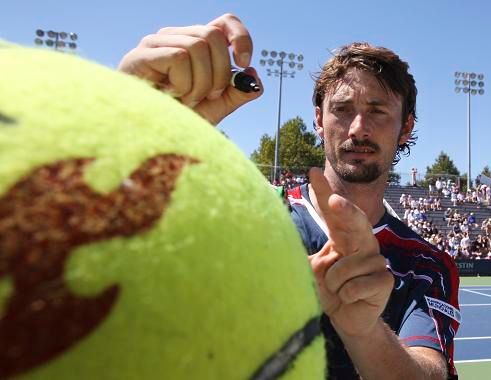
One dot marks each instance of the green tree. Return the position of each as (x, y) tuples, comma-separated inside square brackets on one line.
[(263, 156), (394, 177), (443, 165), (299, 149), (486, 171)]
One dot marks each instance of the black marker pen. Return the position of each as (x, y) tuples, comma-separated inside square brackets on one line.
[(244, 82)]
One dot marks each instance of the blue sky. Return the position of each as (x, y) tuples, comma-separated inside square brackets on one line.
[(436, 37)]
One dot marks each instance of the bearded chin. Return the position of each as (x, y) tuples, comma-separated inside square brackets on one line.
[(363, 173)]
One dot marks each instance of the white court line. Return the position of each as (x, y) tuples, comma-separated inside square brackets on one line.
[(483, 287), (475, 304), (475, 286), (472, 291), (473, 338), (472, 361), (464, 288)]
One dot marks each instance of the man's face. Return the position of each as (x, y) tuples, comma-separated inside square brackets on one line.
[(361, 126)]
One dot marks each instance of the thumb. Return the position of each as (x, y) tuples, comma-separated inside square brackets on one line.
[(230, 100)]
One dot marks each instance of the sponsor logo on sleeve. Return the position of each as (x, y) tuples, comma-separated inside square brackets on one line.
[(444, 308)]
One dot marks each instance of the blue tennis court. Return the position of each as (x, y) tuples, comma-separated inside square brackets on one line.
[(473, 340)]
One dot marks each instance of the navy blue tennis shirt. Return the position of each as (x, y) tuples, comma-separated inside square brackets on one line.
[(423, 307)]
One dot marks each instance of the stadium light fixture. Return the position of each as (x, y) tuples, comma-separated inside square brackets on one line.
[(469, 84), (282, 58), (56, 40)]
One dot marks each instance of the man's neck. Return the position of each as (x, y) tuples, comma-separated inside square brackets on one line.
[(367, 196)]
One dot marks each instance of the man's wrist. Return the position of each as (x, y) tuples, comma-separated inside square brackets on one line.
[(368, 334)]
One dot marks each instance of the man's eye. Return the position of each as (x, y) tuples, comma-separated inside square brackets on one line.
[(340, 109), (377, 111)]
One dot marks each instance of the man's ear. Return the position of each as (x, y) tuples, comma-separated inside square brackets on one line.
[(318, 123), (406, 130)]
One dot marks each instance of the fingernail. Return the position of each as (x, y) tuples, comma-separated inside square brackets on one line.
[(215, 95), (245, 58)]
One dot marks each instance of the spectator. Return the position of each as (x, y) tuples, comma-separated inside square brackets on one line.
[(414, 171), (456, 217), (476, 198), (438, 186), (414, 202), (461, 198), (445, 192), (430, 187), (456, 228), (453, 197), (471, 220), (477, 181), (486, 246), (465, 243), (448, 216), (403, 200), (407, 211), (411, 217), (477, 247), (441, 243), (486, 226), (453, 245), (432, 240), (426, 204), (438, 204)]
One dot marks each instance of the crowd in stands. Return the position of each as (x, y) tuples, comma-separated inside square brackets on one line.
[(465, 237), (480, 194), (288, 180), (459, 243)]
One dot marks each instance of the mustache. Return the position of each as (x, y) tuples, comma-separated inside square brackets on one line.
[(351, 144)]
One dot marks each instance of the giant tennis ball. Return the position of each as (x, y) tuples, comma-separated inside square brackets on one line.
[(136, 242)]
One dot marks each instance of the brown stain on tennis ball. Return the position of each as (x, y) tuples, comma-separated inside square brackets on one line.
[(43, 217)]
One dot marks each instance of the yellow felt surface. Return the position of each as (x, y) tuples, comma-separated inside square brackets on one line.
[(216, 286)]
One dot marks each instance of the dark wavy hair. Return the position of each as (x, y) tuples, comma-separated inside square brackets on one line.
[(391, 72)]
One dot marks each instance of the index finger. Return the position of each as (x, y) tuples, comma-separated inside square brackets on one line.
[(237, 36), (349, 228)]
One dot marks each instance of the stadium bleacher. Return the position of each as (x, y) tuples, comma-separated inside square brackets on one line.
[(481, 212)]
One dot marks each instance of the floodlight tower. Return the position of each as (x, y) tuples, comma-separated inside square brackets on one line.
[(470, 84), (294, 62), (56, 40)]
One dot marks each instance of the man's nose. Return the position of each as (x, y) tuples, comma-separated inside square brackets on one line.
[(360, 127)]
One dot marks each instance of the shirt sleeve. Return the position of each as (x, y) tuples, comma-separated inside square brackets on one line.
[(434, 321), (419, 329)]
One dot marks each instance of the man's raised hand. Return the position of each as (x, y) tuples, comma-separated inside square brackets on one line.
[(193, 64), (353, 281)]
